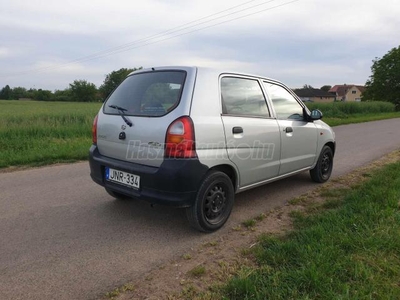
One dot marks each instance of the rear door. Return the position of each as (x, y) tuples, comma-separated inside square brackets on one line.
[(134, 119), (252, 136), (298, 136)]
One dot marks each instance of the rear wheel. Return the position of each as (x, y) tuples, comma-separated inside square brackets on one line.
[(323, 169), (117, 195), (213, 204)]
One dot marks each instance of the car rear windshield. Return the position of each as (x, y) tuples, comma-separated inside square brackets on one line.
[(150, 94)]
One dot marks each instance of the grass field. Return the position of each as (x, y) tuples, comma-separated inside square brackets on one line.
[(348, 250), (340, 113), (347, 109), (37, 133)]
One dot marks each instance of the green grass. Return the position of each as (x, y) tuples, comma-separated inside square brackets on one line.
[(37, 133), (249, 223), (346, 109), (360, 118), (341, 113), (197, 271), (350, 250)]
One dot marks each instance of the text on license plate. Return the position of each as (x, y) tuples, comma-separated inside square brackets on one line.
[(124, 178)]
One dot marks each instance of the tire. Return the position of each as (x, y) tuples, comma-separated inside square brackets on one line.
[(213, 204), (117, 195), (323, 169)]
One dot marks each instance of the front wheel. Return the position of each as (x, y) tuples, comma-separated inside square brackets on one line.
[(323, 169), (213, 204)]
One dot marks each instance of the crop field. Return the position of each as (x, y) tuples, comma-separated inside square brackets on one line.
[(37, 133), (346, 109), (339, 113)]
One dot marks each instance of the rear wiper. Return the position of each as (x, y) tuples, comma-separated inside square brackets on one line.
[(121, 113)]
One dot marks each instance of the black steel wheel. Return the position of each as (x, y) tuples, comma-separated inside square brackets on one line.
[(323, 169), (213, 203)]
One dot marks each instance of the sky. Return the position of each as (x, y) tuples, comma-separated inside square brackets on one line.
[(48, 43)]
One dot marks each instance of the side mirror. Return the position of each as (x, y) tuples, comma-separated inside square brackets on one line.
[(316, 114)]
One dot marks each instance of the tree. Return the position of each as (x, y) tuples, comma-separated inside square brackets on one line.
[(307, 86), (83, 91), (5, 93), (18, 92), (113, 79), (326, 88), (30, 93), (62, 95), (42, 95), (384, 83)]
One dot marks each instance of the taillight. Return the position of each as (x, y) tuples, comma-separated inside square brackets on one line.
[(94, 130), (179, 140)]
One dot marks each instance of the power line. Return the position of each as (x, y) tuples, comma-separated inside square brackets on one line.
[(143, 41), (172, 30), (195, 30), (159, 37), (110, 51)]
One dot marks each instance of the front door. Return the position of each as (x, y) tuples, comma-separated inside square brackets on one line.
[(298, 136)]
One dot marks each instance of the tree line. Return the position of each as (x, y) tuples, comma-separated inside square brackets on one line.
[(77, 91), (382, 85)]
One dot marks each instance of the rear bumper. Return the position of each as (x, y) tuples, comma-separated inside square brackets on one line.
[(174, 183)]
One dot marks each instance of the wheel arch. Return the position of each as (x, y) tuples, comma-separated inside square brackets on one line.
[(229, 171), (331, 145)]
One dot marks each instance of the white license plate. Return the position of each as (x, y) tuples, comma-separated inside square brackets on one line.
[(124, 178)]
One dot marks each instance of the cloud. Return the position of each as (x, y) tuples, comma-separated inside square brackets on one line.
[(307, 41), (4, 52)]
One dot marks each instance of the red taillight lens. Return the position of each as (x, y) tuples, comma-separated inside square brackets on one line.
[(179, 141), (94, 130)]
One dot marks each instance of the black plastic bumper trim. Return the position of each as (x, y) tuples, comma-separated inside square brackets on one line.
[(174, 183)]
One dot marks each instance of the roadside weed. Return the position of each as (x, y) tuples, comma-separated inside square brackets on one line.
[(197, 271), (249, 223)]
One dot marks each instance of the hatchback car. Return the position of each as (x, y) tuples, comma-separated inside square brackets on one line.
[(194, 137)]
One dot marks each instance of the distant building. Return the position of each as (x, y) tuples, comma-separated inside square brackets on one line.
[(347, 92), (314, 95)]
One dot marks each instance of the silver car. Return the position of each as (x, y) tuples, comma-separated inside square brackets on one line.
[(194, 137)]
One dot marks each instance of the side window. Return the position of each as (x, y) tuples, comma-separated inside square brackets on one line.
[(285, 105), (242, 96)]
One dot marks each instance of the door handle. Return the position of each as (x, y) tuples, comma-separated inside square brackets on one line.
[(288, 129), (236, 130)]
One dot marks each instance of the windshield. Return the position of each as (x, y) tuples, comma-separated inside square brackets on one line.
[(150, 94)]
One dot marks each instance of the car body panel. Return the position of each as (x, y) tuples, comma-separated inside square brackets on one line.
[(264, 152), (256, 151), (298, 147)]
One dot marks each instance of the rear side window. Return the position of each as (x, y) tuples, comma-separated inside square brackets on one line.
[(149, 94), (244, 97)]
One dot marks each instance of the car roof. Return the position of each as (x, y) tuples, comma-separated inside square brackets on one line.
[(201, 69)]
